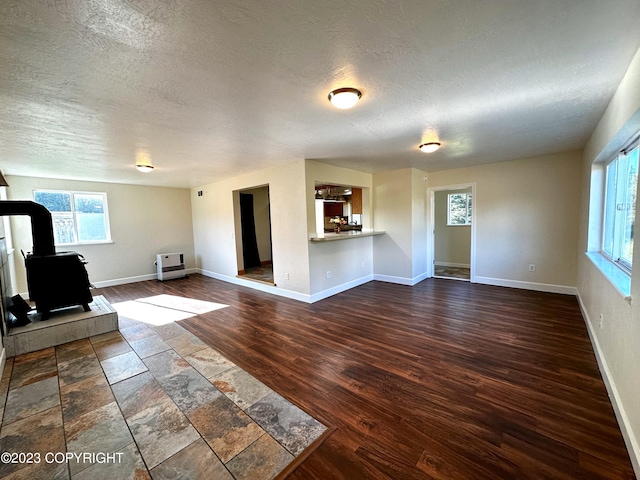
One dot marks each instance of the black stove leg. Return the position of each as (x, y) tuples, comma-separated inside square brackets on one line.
[(86, 307)]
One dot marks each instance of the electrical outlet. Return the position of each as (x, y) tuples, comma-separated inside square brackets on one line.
[(329, 274), (286, 276), (532, 267), (362, 264), (600, 321)]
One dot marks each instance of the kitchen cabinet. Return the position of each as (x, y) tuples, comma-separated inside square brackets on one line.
[(356, 200), (332, 209)]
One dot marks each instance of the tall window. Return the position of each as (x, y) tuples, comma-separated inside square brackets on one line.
[(459, 209), (78, 217), (620, 207)]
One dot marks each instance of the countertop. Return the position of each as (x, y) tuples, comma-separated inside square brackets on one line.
[(350, 234)]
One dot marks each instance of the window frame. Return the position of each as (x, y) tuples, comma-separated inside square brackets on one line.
[(73, 214), (468, 201), (619, 196)]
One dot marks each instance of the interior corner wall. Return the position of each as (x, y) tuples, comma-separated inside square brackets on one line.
[(526, 212), (392, 252), (617, 341), (349, 261), (144, 221), (214, 226), (419, 225)]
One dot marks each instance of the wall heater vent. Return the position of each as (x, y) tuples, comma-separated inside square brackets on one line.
[(170, 265)]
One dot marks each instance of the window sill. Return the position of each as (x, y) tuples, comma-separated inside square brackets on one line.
[(82, 244), (619, 279)]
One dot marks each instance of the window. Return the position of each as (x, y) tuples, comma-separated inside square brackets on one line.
[(620, 207), (459, 209), (78, 217)]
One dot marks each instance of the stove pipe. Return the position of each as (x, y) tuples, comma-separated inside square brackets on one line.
[(41, 223), (55, 280)]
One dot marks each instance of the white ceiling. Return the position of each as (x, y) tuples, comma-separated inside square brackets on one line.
[(212, 89)]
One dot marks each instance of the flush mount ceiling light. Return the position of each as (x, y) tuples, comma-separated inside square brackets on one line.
[(143, 167), (344, 98), (429, 147), (143, 160)]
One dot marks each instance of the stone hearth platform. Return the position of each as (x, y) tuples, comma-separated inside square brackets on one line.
[(65, 325)]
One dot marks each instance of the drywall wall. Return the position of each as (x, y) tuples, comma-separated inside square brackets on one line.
[(452, 243), (399, 200), (526, 213), (144, 221), (349, 261), (617, 339), (419, 222), (392, 198), (214, 226)]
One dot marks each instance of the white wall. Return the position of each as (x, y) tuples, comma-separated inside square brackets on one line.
[(420, 227), (214, 227), (144, 221), (452, 243), (617, 342), (344, 258), (393, 252), (526, 213), (399, 200)]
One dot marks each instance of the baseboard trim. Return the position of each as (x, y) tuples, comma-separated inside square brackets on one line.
[(630, 440), (340, 288), (302, 297), (401, 280), (263, 287), (538, 287), (138, 278), (449, 264)]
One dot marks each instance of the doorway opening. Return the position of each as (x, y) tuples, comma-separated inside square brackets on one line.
[(453, 232), (253, 234)]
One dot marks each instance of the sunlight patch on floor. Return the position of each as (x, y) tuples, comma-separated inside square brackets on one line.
[(150, 314), (184, 304), (164, 309)]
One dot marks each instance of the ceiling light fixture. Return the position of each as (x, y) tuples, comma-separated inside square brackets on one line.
[(143, 160), (344, 98), (429, 147), (144, 168)]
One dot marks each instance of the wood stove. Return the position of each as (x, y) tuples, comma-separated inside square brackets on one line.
[(55, 280)]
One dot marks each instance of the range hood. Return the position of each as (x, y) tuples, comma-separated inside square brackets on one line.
[(332, 193)]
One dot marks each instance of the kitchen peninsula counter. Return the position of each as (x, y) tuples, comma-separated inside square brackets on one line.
[(350, 234)]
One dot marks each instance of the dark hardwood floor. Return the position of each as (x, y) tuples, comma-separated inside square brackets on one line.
[(445, 380)]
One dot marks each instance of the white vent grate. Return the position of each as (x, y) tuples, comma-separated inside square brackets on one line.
[(170, 265)]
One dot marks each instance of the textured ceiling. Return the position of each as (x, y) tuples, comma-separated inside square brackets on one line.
[(211, 89)]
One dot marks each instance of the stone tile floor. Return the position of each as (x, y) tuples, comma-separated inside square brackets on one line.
[(144, 402)]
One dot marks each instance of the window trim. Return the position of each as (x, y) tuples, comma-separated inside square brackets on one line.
[(72, 193), (620, 263)]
